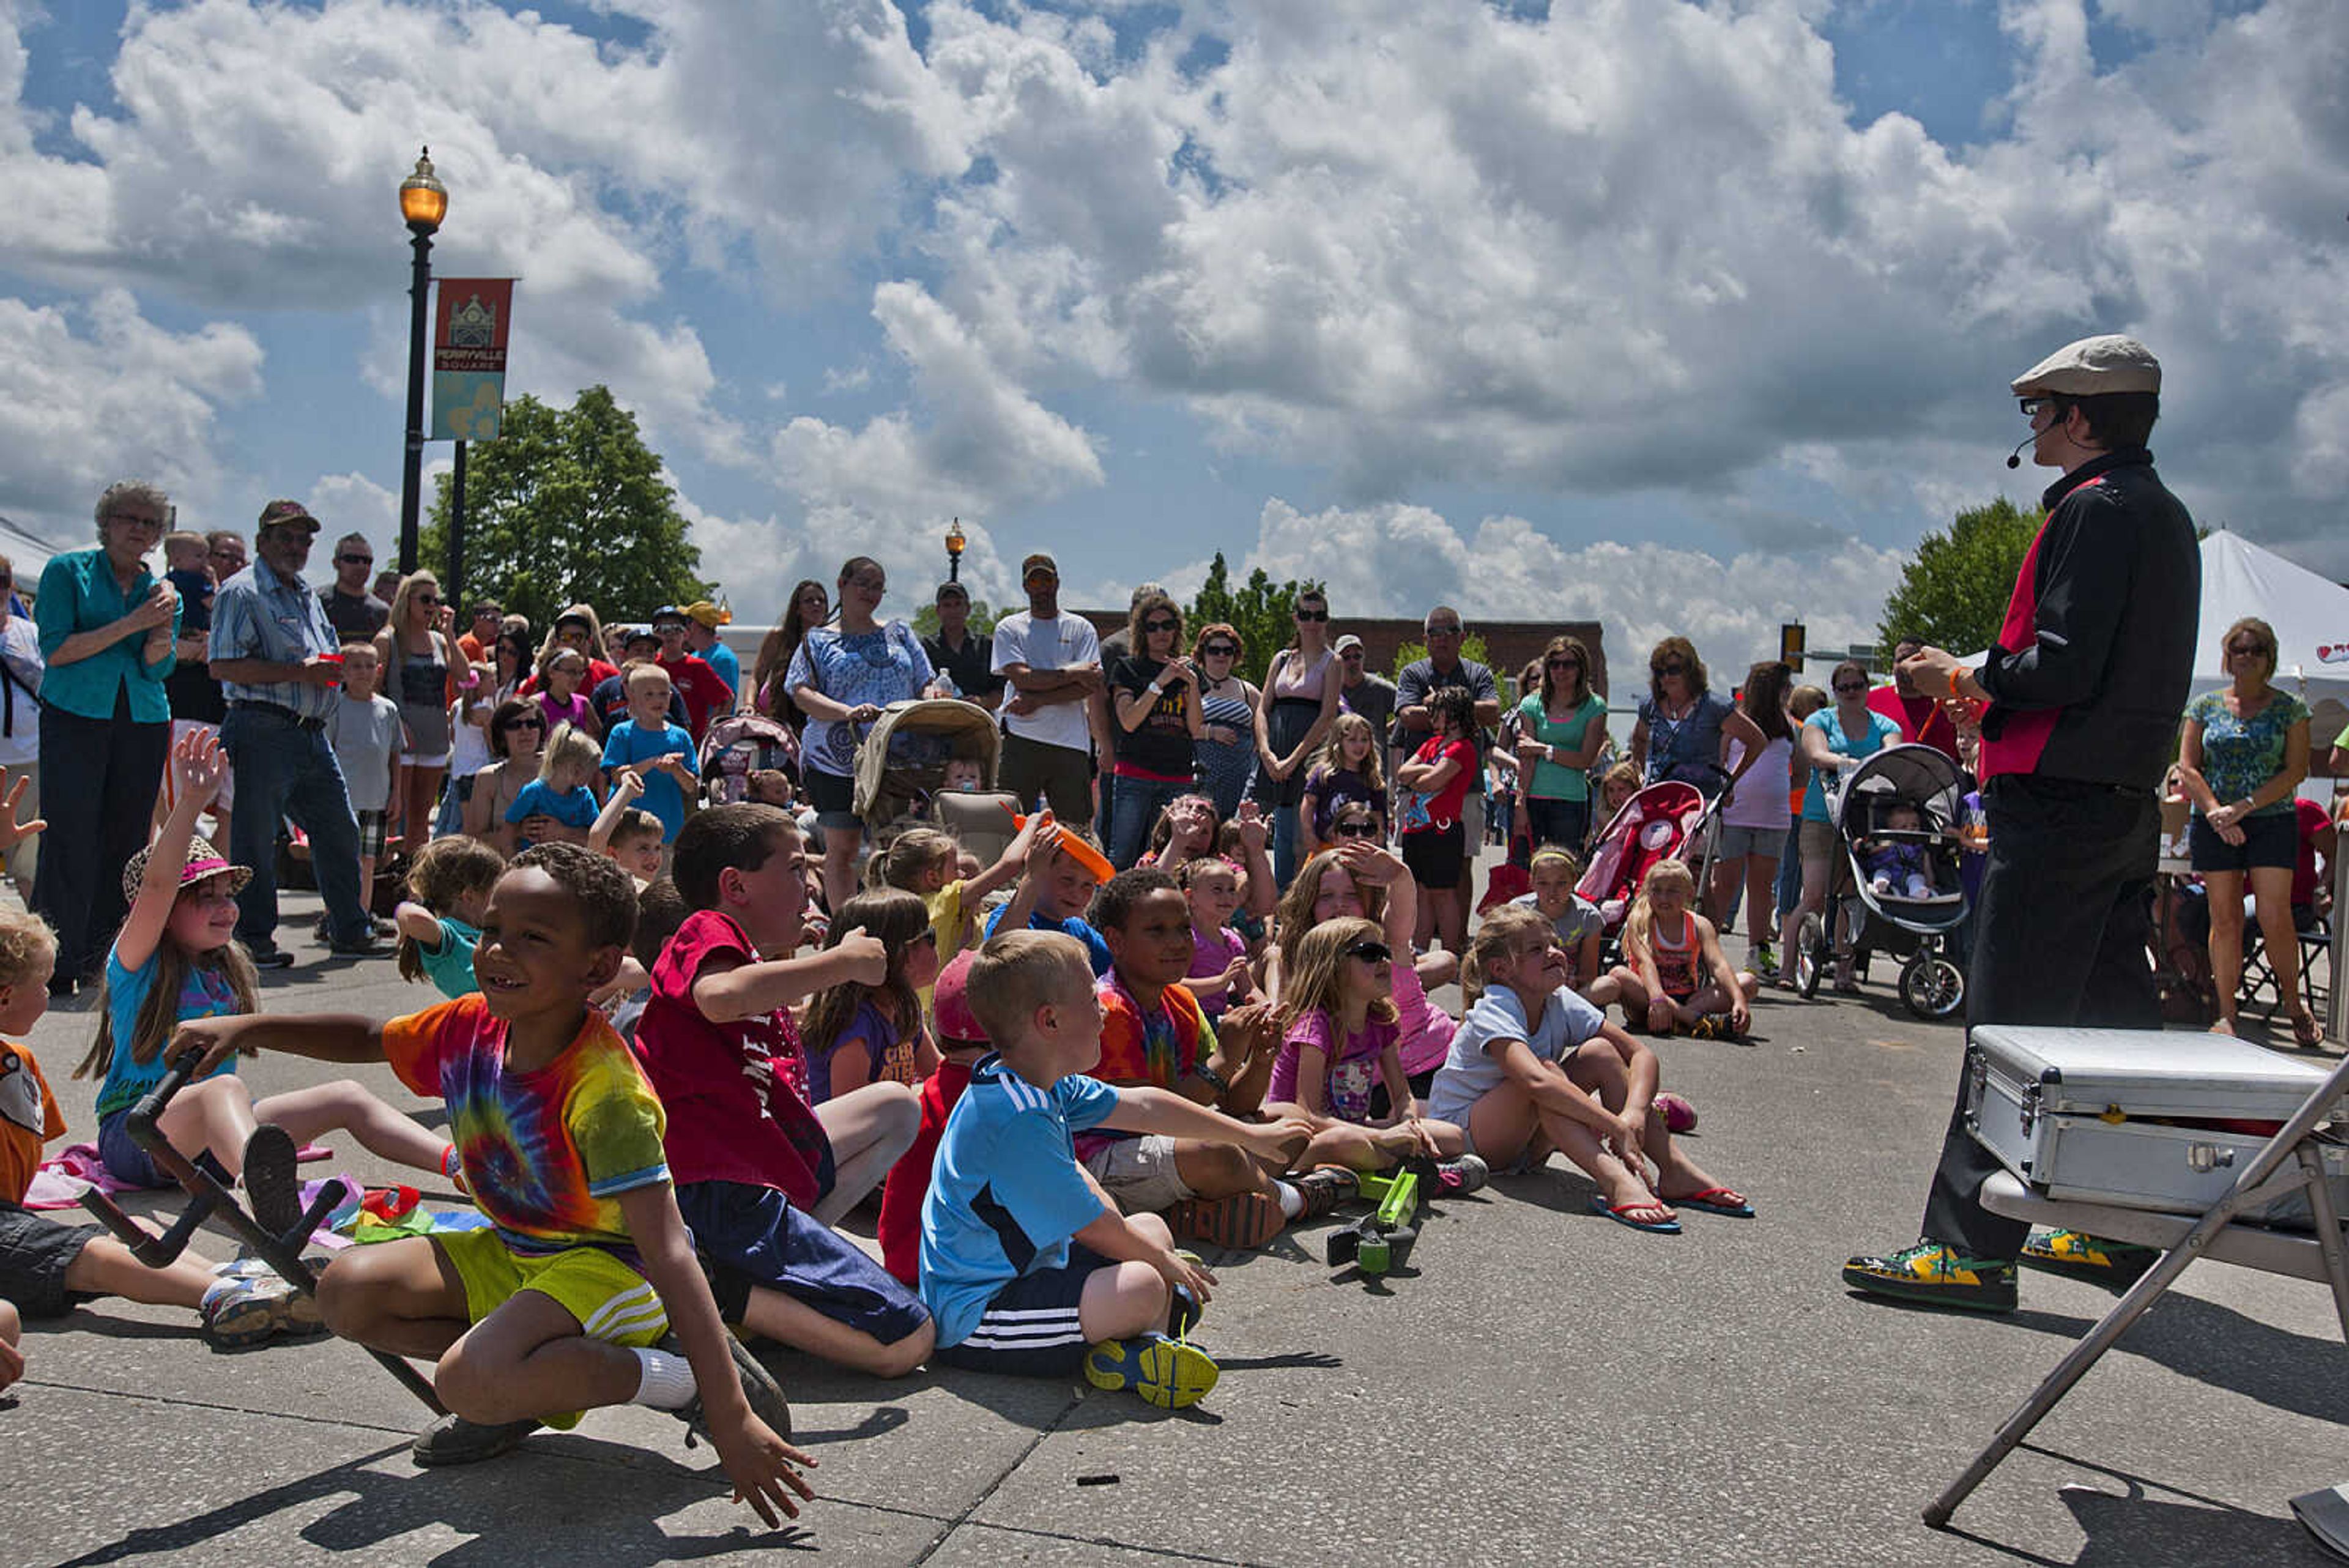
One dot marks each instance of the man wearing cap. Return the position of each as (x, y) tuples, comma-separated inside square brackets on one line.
[(278, 659), (965, 656), (2081, 694), (705, 693), (1359, 691), (352, 610), (479, 644), (702, 620), (1052, 664)]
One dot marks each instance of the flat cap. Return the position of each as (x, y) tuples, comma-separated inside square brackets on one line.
[(2091, 367)]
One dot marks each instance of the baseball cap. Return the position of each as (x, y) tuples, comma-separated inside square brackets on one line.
[(957, 1025), (2091, 367), (708, 614), (285, 511), (671, 615), (1039, 560), (1345, 642)]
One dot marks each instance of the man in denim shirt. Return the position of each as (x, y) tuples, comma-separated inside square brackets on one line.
[(269, 646)]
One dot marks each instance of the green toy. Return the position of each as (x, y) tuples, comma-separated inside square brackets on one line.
[(1382, 1239)]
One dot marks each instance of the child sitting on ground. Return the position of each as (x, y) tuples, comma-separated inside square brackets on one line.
[(439, 922), (1534, 1068), (718, 1036), (1582, 932), (751, 1162), (660, 910), (627, 833), (1052, 894), (961, 1043), (1153, 1035), (46, 1268), (1897, 867), (1219, 976), (1027, 1269), (177, 958), (368, 738), (857, 1034), (559, 1307), (1338, 1038), (560, 805), (929, 864), (1673, 956)]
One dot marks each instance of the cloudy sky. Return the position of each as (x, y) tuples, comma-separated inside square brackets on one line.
[(1690, 317)]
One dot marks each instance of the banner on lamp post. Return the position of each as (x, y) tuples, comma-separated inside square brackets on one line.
[(469, 357)]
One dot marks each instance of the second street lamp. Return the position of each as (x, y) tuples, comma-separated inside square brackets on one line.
[(423, 203), (954, 551)]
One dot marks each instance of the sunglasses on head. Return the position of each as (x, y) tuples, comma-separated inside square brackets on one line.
[(1369, 952), (1356, 829)]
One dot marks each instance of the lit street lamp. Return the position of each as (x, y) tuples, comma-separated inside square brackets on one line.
[(954, 551), (423, 203)]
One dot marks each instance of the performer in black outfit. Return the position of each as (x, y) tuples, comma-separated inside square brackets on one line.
[(2082, 691)]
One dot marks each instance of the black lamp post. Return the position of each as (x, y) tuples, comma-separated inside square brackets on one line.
[(954, 551), (423, 203)]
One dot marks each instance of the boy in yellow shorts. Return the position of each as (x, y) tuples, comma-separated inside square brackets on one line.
[(569, 1300)]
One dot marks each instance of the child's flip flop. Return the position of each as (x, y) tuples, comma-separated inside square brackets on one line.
[(1621, 1216), (1709, 1200)]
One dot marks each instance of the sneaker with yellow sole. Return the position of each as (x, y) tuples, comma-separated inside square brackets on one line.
[(1172, 1374), (1931, 1275)]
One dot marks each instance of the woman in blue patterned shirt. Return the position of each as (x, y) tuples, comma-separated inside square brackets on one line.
[(2241, 756)]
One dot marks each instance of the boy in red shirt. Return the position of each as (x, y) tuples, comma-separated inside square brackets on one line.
[(754, 1166)]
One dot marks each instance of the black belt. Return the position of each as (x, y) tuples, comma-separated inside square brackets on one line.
[(279, 710)]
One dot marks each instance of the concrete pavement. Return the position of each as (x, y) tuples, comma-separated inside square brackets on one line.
[(1540, 1385)]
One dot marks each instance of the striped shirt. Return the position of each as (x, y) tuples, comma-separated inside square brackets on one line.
[(258, 613)]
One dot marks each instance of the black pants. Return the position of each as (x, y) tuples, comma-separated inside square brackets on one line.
[(2061, 938), (100, 778)]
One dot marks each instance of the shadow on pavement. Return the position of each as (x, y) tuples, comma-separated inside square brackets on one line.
[(2133, 1529), (492, 1505)]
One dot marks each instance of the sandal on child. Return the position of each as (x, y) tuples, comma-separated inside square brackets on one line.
[(1716, 1201), (1621, 1214)]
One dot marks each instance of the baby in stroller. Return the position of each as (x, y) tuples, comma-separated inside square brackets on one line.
[(1898, 868)]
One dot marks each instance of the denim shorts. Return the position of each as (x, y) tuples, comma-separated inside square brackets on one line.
[(1736, 843)]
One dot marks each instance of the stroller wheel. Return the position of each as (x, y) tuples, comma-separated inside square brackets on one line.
[(1932, 986), (1810, 955)]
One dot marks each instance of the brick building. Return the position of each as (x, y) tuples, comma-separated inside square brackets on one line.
[(1509, 645)]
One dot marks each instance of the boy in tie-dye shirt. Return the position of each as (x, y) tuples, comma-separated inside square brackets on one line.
[(560, 1137)]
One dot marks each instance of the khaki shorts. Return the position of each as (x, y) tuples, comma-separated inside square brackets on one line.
[(1139, 1173), (1817, 841)]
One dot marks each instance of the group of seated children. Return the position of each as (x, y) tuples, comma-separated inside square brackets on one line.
[(1079, 1110)]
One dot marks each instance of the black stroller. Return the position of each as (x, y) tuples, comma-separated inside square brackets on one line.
[(1910, 918)]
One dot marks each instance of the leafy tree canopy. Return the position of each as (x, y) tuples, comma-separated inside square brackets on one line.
[(983, 617), (568, 506), (1953, 592), (1260, 610)]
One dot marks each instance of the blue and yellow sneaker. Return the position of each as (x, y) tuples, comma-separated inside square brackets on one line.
[(1171, 1374), (2117, 1265), (1931, 1275)]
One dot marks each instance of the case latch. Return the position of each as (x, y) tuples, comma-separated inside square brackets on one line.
[(2208, 1156), (2030, 1108)]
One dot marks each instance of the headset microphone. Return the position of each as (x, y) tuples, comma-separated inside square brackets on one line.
[(2014, 458)]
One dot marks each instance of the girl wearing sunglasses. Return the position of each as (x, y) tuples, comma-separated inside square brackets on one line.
[(1342, 1037)]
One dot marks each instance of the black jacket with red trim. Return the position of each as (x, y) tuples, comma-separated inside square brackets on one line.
[(2114, 589)]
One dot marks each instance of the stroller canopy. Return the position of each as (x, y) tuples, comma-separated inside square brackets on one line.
[(1923, 776), (886, 784)]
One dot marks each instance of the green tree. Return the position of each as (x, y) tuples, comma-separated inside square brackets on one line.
[(1260, 611), (1471, 649), (983, 618), (1954, 591), (568, 506)]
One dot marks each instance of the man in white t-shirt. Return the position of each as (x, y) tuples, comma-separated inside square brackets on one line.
[(1051, 664)]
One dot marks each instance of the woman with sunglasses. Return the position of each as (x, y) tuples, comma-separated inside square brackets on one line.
[(2241, 754), (421, 671), (517, 733), (1834, 740), (1563, 729), (1156, 721), (1300, 702), (1685, 730), (1225, 749)]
